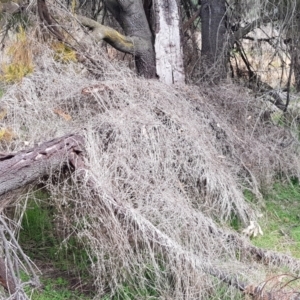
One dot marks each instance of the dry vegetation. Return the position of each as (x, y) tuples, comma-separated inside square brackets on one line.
[(177, 159)]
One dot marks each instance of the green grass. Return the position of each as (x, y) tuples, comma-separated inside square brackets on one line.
[(54, 289), (281, 220), (132, 288), (226, 293), (41, 241), (235, 222), (37, 229)]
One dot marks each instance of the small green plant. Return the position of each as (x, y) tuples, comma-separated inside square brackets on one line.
[(235, 222), (64, 53), (225, 293)]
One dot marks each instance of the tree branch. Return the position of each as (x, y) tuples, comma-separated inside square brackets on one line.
[(188, 23), (108, 34), (241, 32)]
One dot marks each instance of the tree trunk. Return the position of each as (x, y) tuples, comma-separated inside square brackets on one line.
[(296, 68), (290, 11), (213, 52), (131, 16), (168, 47), (296, 50)]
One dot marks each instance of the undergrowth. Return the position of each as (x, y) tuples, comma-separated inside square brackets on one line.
[(60, 256), (167, 164), (281, 219), (64, 53), (54, 289), (20, 59)]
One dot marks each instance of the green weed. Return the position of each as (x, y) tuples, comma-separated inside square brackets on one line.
[(235, 222), (21, 57), (63, 53)]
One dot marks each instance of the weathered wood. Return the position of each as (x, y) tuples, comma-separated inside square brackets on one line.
[(168, 47), (24, 167)]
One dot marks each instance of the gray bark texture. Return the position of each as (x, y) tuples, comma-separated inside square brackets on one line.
[(296, 49), (213, 52), (131, 16), (168, 47), (22, 168)]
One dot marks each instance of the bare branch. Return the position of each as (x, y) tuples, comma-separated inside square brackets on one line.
[(188, 23), (241, 32), (108, 34)]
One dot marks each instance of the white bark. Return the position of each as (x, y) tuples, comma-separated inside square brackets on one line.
[(168, 48)]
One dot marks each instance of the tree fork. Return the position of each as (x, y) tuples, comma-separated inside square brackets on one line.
[(132, 18)]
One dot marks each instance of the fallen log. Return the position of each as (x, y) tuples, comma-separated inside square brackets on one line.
[(24, 167)]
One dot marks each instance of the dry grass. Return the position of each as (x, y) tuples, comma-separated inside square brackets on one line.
[(20, 59), (178, 157)]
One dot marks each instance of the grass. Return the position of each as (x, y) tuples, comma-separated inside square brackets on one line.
[(226, 293), (63, 53), (281, 220), (39, 229), (20, 64), (128, 290), (54, 289), (62, 263), (281, 225)]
